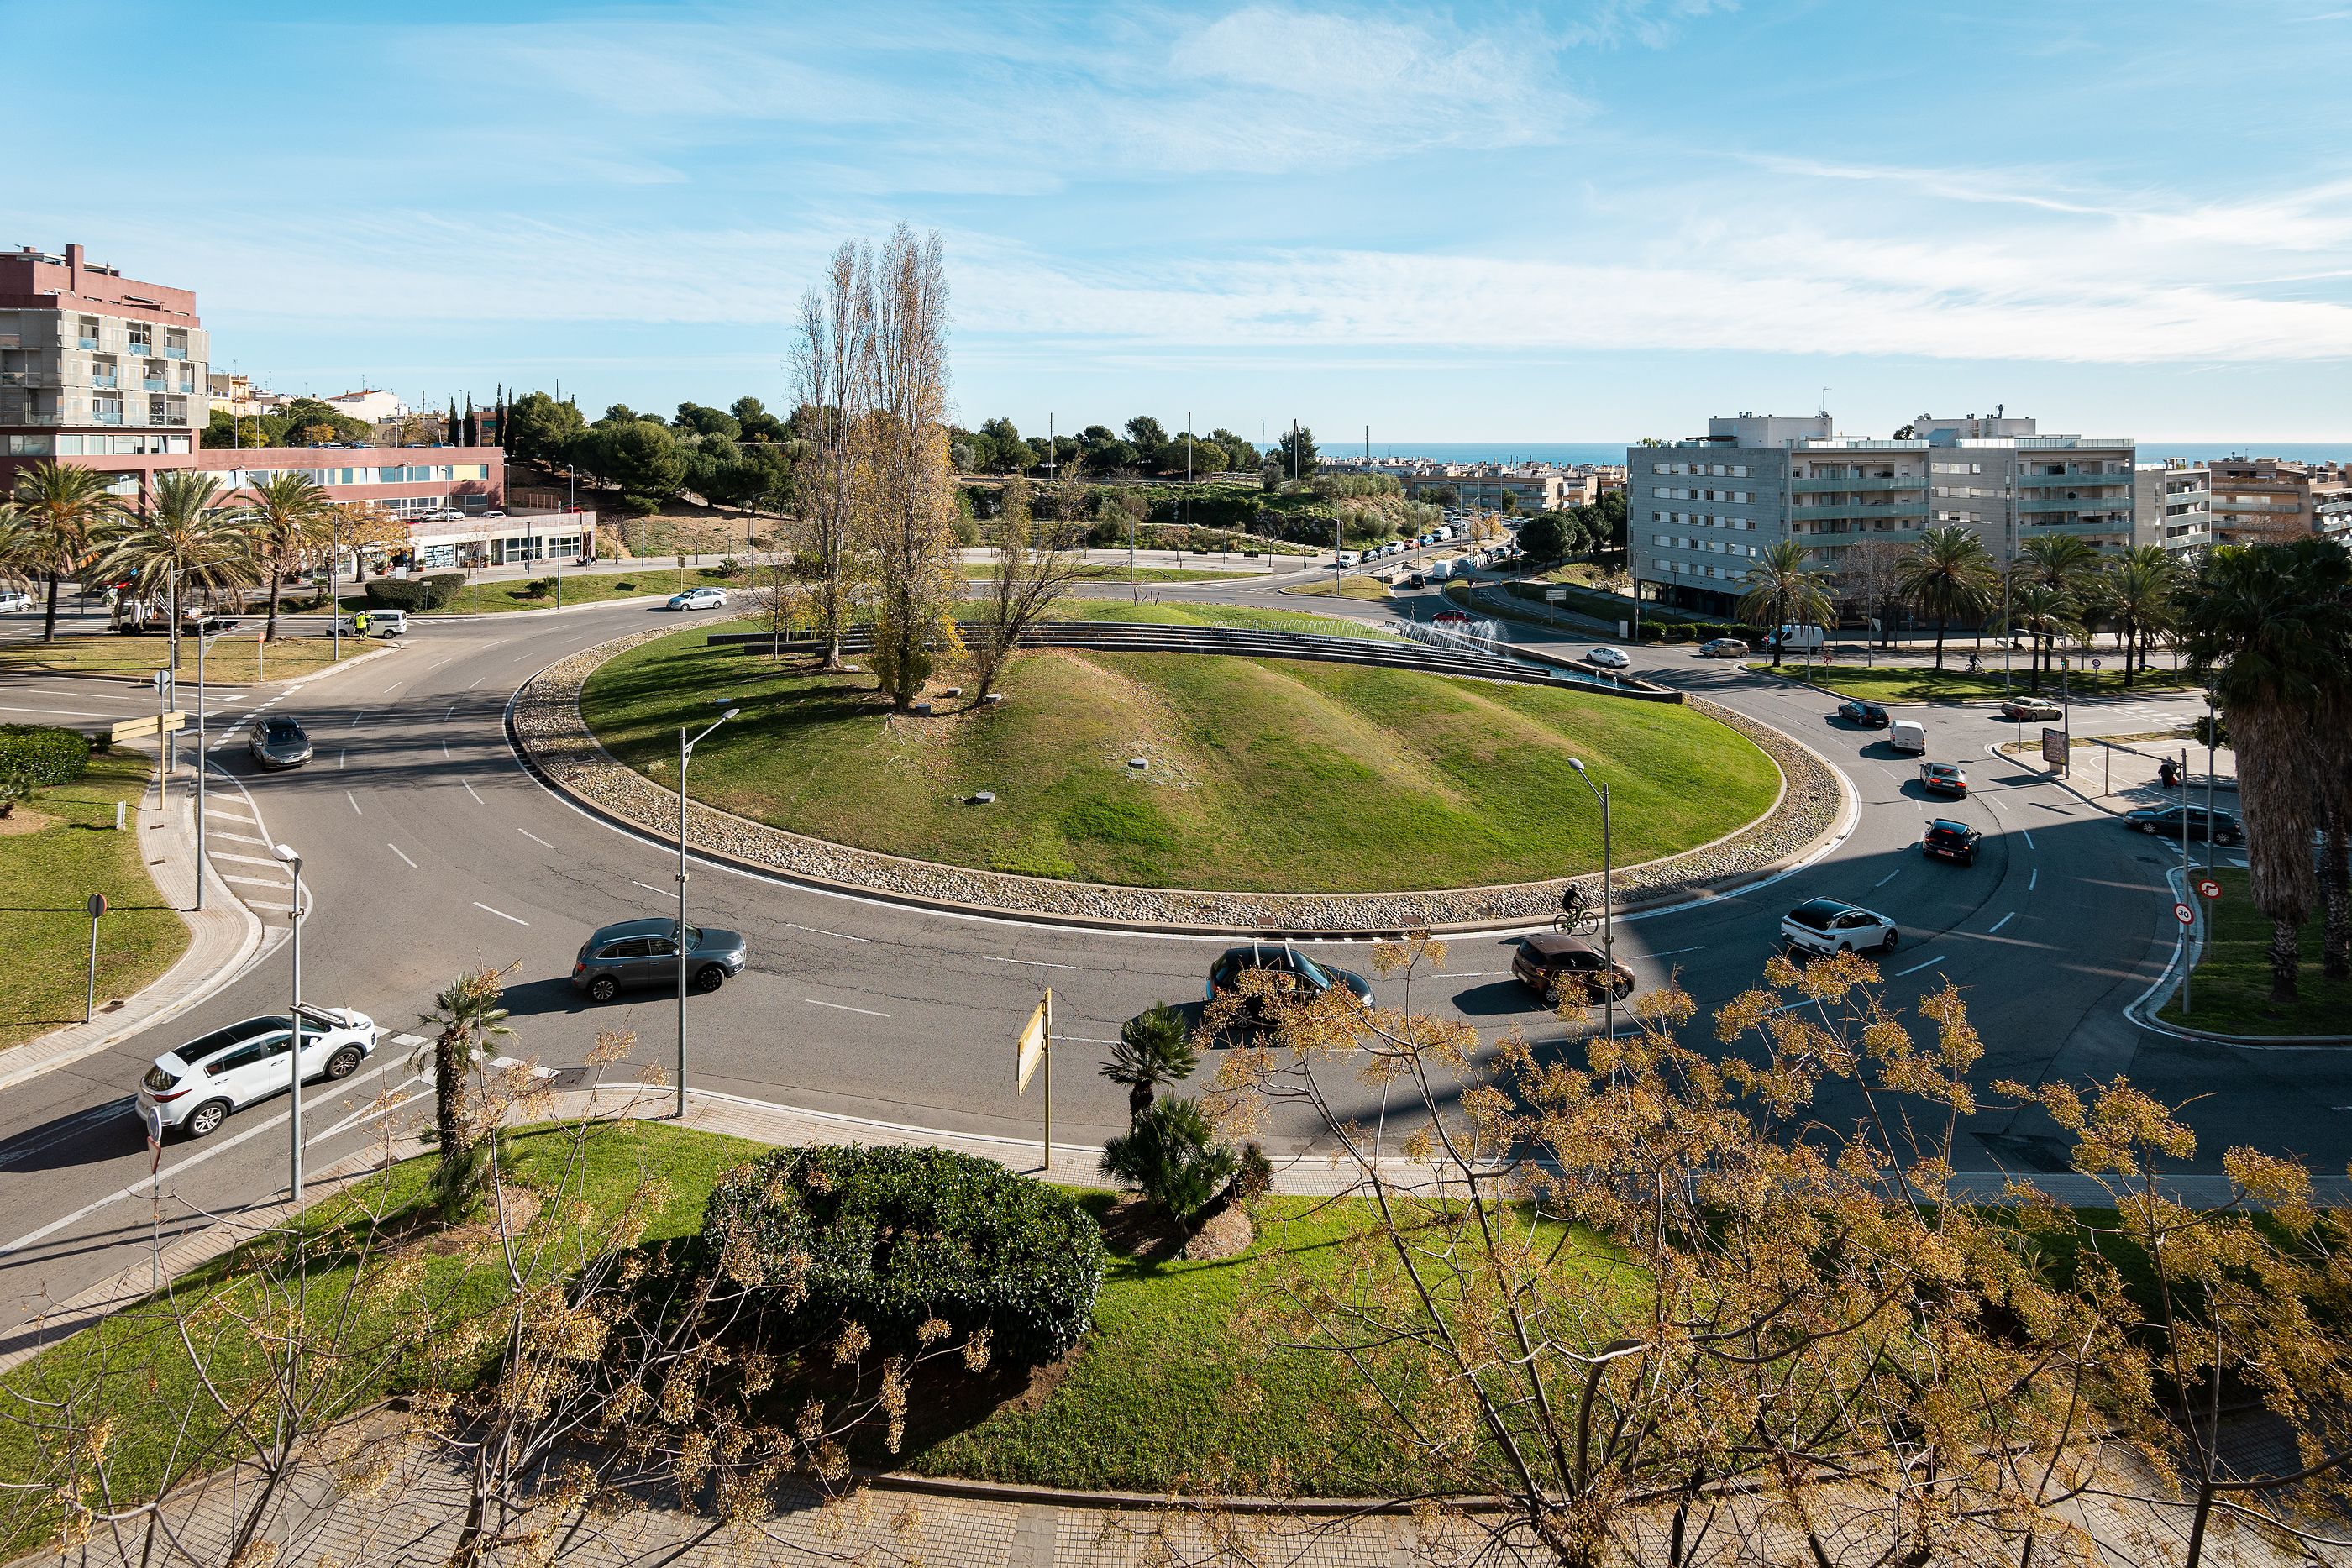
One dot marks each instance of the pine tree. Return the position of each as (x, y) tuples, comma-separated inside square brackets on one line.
[(450, 429)]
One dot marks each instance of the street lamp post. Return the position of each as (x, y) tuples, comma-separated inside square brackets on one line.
[(203, 642), (294, 1022), (685, 755), (1607, 914)]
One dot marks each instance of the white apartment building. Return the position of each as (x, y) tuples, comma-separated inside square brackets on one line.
[(368, 405), (95, 362), (1699, 510), (2172, 505)]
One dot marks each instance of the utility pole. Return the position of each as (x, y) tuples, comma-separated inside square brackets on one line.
[(2189, 894), (685, 755), (294, 1021), (1607, 915)]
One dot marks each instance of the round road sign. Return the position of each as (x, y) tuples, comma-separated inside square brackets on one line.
[(2183, 913), (97, 905), (2208, 888)]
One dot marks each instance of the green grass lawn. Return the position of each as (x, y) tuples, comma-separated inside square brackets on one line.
[(2231, 986), (1918, 684), (1265, 774), (1109, 574), (587, 587), (1366, 588), (235, 660), (46, 878)]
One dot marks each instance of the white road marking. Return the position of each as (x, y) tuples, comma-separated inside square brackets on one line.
[(339, 757), (450, 710), (2029, 838), (814, 930), (534, 838), (649, 887), (477, 681), (1672, 951), (2034, 881), (1939, 958), (500, 912), (1033, 963), (469, 789), (396, 848), (355, 720), (240, 838), (2001, 921), (1882, 880), (1466, 974), (445, 746), (62, 712), (278, 882), (241, 860), (438, 662), (224, 811), (393, 687), (354, 800), (839, 1007)]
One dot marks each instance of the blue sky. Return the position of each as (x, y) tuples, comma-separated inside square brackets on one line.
[(1588, 220)]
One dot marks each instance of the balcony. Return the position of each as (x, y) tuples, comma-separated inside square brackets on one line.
[(173, 419), (176, 351), (106, 416), (1875, 486), (107, 381), (154, 383), (1908, 512), (85, 342), (140, 347)]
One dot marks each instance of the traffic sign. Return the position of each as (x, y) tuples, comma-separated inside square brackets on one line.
[(2207, 887), (97, 905), (2185, 915)]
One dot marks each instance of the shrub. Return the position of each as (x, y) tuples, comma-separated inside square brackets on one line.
[(383, 593), (2210, 730), (442, 588), (894, 1237), (1171, 1152), (1255, 1179), (46, 754)]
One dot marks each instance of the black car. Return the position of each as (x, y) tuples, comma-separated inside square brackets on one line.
[(1950, 842), (1556, 966), (1292, 970), (2166, 821), (644, 953), (1869, 716), (278, 741)]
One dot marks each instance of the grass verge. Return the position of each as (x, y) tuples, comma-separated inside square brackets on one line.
[(2231, 985), (234, 660), (588, 587), (1265, 774), (47, 875), (1915, 683), (1366, 588)]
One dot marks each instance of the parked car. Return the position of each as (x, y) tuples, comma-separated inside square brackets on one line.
[(1608, 659), (15, 599), (2166, 821), (1723, 648), (1950, 842), (2030, 710), (632, 952), (1345, 557), (1556, 966), (698, 598), (1869, 716), (381, 622), (194, 1088), (278, 741), (1292, 970), (1453, 618), (1828, 925), (1907, 734), (1943, 778)]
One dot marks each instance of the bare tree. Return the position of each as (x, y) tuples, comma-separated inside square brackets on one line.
[(1871, 574), (833, 369), (777, 600), (1035, 563)]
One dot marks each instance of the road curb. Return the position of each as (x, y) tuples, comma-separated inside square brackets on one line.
[(2135, 1010)]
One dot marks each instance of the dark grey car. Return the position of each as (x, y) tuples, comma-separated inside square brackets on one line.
[(637, 953), (279, 741)]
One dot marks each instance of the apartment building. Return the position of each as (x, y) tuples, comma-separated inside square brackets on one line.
[(2172, 505), (2266, 500), (1698, 511), (95, 363)]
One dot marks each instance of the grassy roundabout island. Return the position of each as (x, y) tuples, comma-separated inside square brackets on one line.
[(1265, 774)]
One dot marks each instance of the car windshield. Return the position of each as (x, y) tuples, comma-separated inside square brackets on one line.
[(1311, 969), (284, 729)]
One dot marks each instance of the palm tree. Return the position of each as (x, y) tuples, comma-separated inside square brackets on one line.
[(283, 519), (1948, 576), (2064, 565), (465, 1018), (1152, 1052), (2271, 627), (23, 548), (2045, 613), (66, 506), (185, 542), (2143, 593), (1783, 589)]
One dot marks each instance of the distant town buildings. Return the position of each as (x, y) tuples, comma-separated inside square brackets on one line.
[(2262, 500), (1530, 487), (236, 395), (2172, 505), (369, 406)]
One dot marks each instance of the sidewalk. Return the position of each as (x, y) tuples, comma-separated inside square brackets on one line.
[(2120, 777), (223, 937)]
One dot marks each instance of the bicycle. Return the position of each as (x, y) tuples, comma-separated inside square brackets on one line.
[(1585, 921)]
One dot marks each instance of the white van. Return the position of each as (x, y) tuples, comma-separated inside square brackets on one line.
[(1907, 734), (1799, 639)]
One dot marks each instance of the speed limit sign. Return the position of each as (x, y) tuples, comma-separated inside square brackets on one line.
[(2208, 888), (2185, 915)]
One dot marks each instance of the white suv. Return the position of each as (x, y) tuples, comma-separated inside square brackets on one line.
[(1826, 926), (195, 1087)]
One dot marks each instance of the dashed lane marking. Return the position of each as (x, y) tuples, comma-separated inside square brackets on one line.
[(396, 848), (534, 838), (500, 912), (813, 930), (354, 800), (844, 1007), (1033, 963), (1922, 964), (469, 789), (2001, 921), (2034, 881), (1882, 880)]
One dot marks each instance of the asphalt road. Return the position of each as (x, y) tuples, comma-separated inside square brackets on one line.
[(430, 850)]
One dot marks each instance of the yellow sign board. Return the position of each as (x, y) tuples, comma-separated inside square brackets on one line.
[(132, 728), (1029, 1051)]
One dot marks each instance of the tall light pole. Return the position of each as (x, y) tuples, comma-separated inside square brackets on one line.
[(685, 755), (294, 1021), (1607, 914), (203, 642)]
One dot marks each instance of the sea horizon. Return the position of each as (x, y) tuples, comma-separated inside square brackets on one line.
[(1570, 453)]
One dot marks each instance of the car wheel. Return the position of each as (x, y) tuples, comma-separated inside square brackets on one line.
[(604, 988), (1892, 936), (206, 1117), (344, 1063), (710, 977), (2144, 827)]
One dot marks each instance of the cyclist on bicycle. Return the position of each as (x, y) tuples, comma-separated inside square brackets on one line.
[(1571, 904)]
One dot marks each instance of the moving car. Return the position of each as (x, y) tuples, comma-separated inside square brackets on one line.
[(1292, 970), (698, 598), (1798, 639), (2030, 710), (279, 741), (2166, 821), (632, 952), (15, 599), (1870, 716), (1608, 659), (1954, 842), (1943, 778), (1907, 734), (194, 1088), (1558, 966), (381, 622), (1450, 618), (1827, 926), (1723, 648)]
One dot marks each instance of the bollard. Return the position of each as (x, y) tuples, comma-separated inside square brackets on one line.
[(118, 816)]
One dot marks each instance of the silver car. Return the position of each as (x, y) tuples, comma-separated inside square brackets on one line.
[(278, 741)]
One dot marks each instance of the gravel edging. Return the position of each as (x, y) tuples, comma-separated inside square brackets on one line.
[(545, 727)]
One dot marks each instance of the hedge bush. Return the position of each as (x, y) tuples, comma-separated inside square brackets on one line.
[(891, 1237), (45, 753), (417, 593)]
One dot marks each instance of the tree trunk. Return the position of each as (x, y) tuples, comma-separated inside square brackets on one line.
[(269, 632), (2130, 635), (49, 617), (2335, 883), (1940, 644), (1138, 1100), (2286, 960)]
